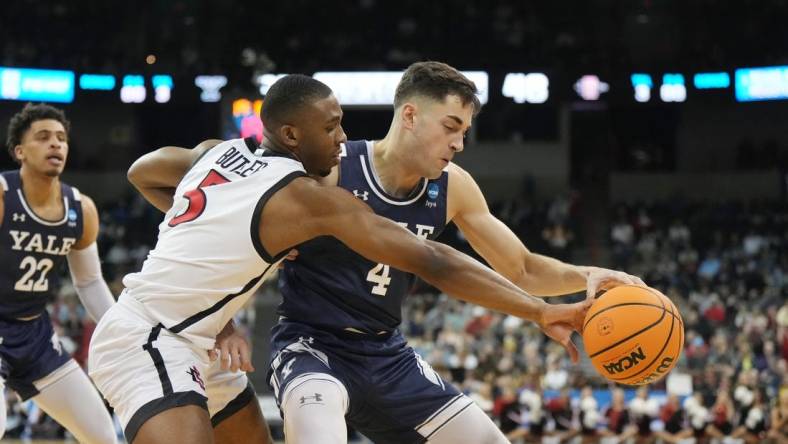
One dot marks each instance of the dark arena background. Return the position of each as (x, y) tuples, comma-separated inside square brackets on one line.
[(649, 136)]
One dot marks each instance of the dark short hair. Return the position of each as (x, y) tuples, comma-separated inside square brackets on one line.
[(436, 80), (23, 120), (288, 95)]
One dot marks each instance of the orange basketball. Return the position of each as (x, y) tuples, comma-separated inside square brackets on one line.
[(634, 335)]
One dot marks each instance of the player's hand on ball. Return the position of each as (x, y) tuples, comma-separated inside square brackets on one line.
[(233, 350), (560, 320), (603, 279)]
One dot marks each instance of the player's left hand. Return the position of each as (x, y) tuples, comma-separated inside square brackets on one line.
[(560, 320), (233, 350), (604, 279)]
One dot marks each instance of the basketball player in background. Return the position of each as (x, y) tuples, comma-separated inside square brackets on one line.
[(44, 223), (239, 209), (340, 306)]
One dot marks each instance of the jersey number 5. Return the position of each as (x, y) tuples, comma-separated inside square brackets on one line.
[(197, 199)]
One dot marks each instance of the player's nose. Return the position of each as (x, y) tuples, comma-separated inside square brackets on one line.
[(457, 146)]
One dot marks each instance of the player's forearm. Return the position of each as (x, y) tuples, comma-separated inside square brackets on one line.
[(545, 276), (467, 279)]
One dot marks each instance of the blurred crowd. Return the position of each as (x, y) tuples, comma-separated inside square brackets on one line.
[(723, 264)]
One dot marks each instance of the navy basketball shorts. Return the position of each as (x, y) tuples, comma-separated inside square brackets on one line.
[(394, 395), (31, 355)]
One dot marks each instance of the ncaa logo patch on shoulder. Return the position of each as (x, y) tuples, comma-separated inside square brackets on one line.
[(432, 191), (72, 215)]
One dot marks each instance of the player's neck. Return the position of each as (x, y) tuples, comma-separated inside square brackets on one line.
[(40, 190), (393, 168)]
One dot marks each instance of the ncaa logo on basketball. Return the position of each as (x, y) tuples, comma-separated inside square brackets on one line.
[(626, 362)]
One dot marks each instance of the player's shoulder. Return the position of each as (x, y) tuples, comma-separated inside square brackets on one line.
[(458, 174), (3, 184), (87, 202), (204, 147)]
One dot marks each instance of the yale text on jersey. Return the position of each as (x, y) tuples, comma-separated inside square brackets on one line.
[(34, 242)]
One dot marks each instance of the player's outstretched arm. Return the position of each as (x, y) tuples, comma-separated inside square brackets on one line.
[(502, 249), (156, 174), (304, 210), (85, 266)]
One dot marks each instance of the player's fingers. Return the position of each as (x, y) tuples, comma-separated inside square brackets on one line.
[(591, 288), (639, 281), (224, 356), (246, 359), (235, 355), (572, 350), (225, 359)]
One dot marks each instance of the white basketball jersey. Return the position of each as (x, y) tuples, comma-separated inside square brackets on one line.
[(208, 258)]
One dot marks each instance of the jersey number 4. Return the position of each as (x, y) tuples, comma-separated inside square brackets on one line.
[(379, 275), (197, 198)]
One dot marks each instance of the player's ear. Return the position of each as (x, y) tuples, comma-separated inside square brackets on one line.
[(408, 115), (18, 153), (289, 135)]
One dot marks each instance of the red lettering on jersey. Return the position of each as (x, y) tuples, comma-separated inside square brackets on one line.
[(197, 198)]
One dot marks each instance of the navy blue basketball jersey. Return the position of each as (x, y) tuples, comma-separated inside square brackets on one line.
[(32, 249), (331, 286)]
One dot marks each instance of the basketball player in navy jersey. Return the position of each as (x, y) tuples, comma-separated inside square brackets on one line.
[(44, 223), (347, 308), (302, 126)]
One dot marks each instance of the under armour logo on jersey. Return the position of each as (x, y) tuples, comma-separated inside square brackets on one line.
[(360, 195), (309, 340), (196, 376), (318, 398), (19, 217)]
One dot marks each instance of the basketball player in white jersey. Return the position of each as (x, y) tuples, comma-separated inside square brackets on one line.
[(237, 212), (43, 223)]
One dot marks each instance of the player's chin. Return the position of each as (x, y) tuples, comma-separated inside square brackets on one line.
[(53, 172), (434, 174)]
